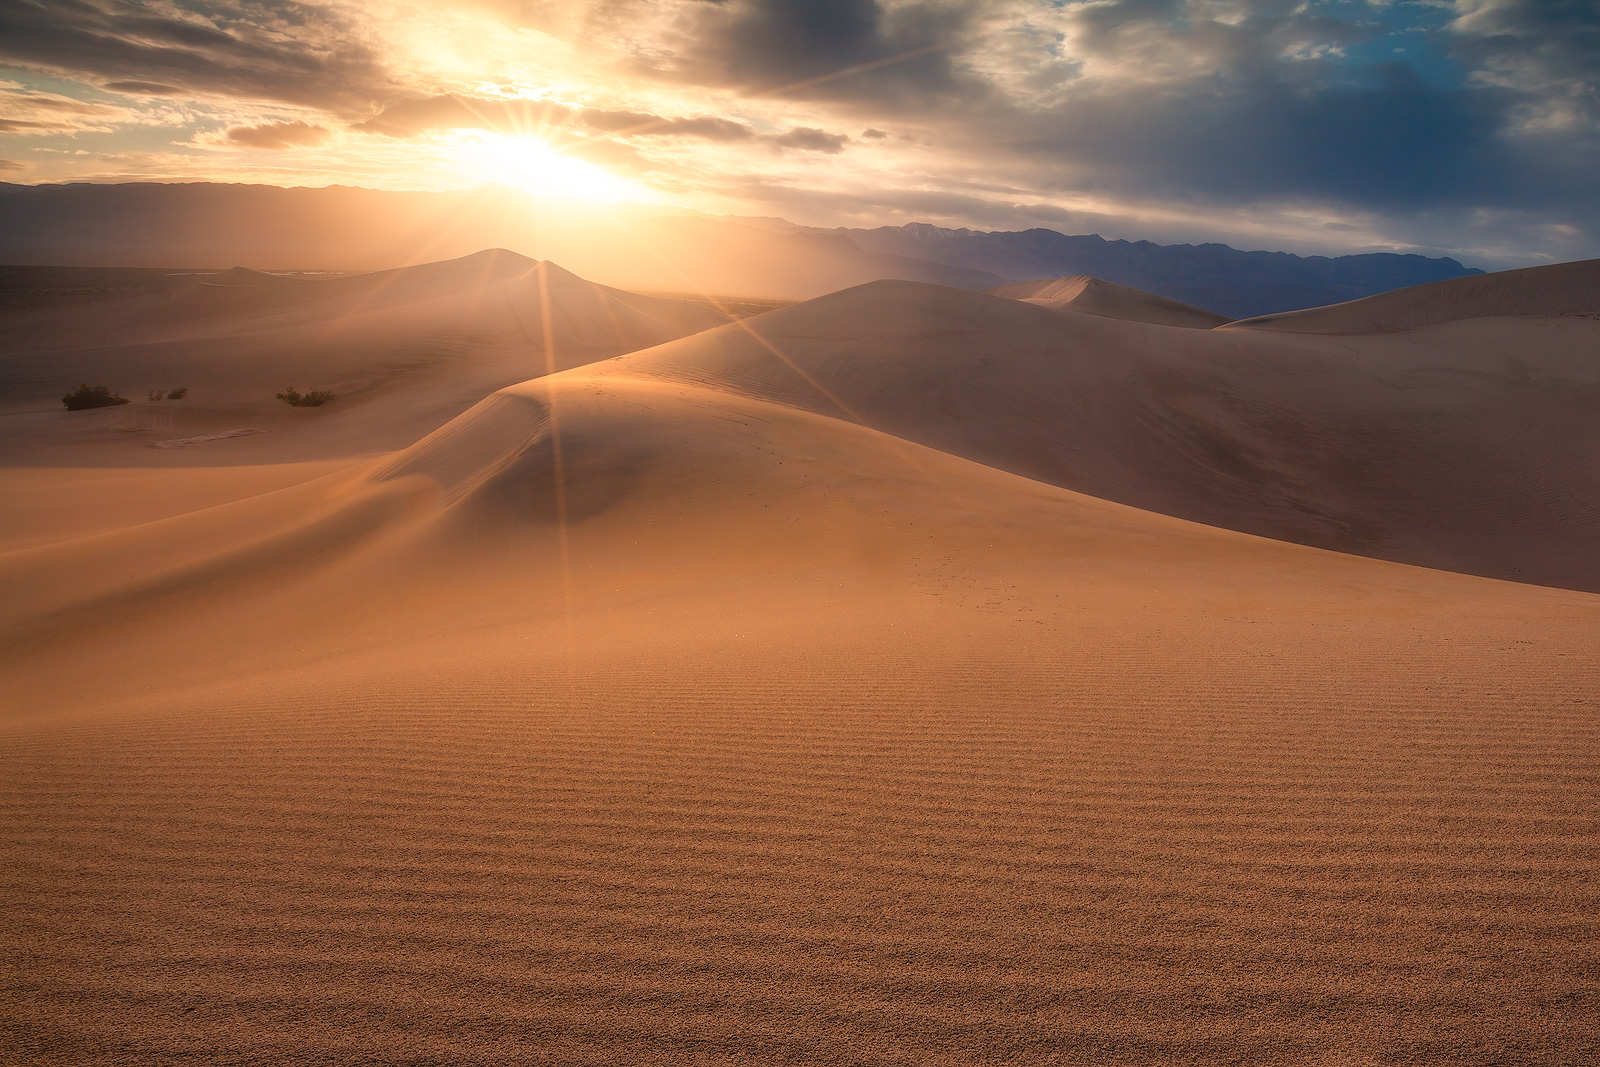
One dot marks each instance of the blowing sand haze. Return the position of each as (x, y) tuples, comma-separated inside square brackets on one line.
[(899, 660)]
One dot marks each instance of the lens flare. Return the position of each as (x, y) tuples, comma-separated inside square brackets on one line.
[(530, 164)]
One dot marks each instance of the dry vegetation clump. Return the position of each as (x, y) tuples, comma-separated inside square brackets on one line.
[(92, 396), (168, 394), (313, 398)]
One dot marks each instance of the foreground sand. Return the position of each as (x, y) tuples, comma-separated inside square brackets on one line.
[(759, 736)]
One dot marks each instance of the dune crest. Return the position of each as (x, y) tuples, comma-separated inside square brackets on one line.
[(1466, 448), (1556, 291), (244, 276), (1096, 296)]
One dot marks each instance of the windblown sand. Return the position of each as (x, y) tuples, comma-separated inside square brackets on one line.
[(652, 712)]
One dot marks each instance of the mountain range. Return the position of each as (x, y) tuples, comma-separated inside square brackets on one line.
[(645, 248)]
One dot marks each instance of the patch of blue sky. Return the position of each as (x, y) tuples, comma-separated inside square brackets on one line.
[(1413, 32)]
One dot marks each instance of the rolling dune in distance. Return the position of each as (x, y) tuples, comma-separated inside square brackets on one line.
[(412, 347), (909, 676), (1096, 296)]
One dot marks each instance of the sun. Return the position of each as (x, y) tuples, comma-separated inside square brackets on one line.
[(529, 164)]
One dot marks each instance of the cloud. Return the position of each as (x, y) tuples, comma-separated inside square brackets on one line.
[(12, 165), (807, 139), (831, 49), (704, 128), (279, 135), (25, 112), (276, 50), (1546, 51), (1534, 44), (142, 88), (1394, 142), (518, 116)]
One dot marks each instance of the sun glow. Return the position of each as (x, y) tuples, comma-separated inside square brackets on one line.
[(529, 164)]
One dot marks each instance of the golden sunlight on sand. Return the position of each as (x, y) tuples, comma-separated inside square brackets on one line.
[(907, 676)]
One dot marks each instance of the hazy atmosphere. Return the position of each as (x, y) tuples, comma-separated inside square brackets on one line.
[(1468, 128), (800, 534)]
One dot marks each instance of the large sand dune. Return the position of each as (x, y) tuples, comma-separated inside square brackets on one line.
[(1467, 446), (657, 711)]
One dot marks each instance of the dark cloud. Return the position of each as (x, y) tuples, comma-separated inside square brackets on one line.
[(1534, 44), (1287, 106), (1394, 143), (279, 135), (874, 135), (834, 49), (633, 122), (276, 50), (12, 165), (807, 139)]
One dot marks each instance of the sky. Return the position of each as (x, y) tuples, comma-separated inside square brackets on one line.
[(1457, 127)]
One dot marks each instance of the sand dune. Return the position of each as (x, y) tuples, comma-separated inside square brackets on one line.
[(1096, 296), (759, 697), (1461, 446), (403, 350), (1557, 291)]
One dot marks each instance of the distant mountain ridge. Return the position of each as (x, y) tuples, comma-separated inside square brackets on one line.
[(644, 248), (1216, 277), (214, 225)]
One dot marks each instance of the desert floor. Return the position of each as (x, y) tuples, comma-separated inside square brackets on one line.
[(776, 695)]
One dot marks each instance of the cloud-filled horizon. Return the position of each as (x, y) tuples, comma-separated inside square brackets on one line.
[(1468, 128)]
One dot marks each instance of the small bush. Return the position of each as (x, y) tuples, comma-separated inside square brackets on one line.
[(155, 394), (315, 398), (178, 393), (92, 396)]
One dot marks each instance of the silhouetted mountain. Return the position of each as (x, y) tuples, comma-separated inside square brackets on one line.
[(1234, 283), (344, 229), (643, 248)]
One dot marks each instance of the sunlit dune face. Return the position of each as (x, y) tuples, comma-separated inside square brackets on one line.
[(528, 163)]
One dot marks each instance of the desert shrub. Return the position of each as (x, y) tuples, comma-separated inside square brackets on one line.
[(178, 393), (314, 398), (155, 394), (92, 396)]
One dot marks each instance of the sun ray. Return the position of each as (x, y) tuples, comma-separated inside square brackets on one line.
[(890, 441), (547, 332)]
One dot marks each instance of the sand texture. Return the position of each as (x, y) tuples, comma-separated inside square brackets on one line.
[(845, 685)]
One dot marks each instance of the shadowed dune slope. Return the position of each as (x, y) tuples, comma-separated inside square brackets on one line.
[(1468, 447), (1096, 296), (628, 719), (1555, 291)]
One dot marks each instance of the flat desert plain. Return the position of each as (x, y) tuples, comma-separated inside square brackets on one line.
[(909, 676)]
